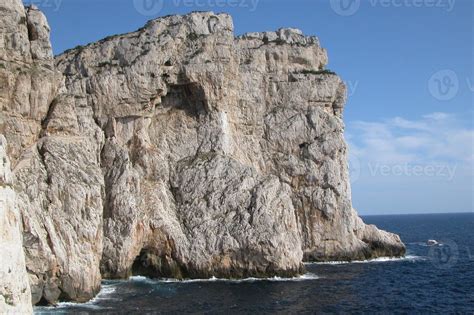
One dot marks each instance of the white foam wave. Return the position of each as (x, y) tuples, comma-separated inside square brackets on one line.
[(304, 277), (375, 260), (419, 244), (424, 244), (104, 294), (109, 289), (46, 309)]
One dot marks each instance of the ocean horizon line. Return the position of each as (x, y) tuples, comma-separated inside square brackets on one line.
[(414, 213)]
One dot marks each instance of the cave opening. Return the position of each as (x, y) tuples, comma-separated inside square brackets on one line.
[(189, 98), (153, 264), (43, 302)]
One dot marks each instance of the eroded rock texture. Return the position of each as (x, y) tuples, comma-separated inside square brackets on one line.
[(15, 295), (177, 150), (58, 178)]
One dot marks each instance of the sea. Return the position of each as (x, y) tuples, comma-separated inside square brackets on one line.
[(436, 279)]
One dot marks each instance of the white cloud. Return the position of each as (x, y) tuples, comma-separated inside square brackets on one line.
[(434, 138), (403, 165)]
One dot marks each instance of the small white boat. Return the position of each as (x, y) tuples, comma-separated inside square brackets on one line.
[(432, 242)]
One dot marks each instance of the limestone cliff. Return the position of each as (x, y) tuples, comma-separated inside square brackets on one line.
[(178, 150), (15, 295)]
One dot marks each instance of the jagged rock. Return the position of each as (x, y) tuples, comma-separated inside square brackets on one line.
[(237, 222), (59, 190), (15, 295), (177, 150)]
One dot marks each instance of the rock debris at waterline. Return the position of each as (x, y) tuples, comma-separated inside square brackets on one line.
[(177, 151)]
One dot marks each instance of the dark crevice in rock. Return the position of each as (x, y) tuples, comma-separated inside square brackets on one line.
[(153, 264), (380, 249), (303, 145), (43, 302), (47, 118), (42, 154), (188, 97), (32, 32), (176, 195)]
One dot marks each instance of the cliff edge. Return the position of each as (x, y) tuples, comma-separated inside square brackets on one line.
[(178, 150)]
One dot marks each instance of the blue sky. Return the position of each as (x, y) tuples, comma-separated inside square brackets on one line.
[(408, 65)]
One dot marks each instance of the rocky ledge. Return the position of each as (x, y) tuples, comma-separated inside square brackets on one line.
[(178, 150)]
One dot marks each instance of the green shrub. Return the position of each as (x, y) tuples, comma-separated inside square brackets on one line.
[(324, 71)]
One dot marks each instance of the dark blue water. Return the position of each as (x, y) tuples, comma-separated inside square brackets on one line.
[(431, 279)]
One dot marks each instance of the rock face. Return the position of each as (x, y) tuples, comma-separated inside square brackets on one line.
[(15, 295), (177, 150), (59, 194)]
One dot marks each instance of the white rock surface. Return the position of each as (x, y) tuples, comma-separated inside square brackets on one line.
[(177, 150), (15, 295)]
